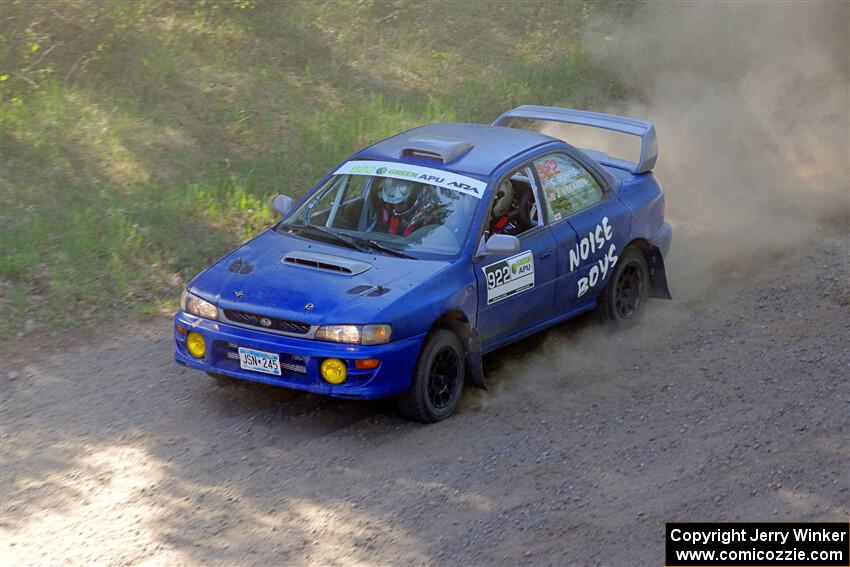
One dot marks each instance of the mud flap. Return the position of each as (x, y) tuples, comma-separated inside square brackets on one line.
[(474, 362), (657, 275)]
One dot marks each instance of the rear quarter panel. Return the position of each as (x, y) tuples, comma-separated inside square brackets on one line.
[(644, 196)]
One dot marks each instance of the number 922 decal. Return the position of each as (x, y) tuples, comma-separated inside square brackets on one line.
[(509, 276)]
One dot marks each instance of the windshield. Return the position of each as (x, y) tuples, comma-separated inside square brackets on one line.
[(392, 207)]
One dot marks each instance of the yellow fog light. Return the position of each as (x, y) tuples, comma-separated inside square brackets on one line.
[(196, 345), (334, 371)]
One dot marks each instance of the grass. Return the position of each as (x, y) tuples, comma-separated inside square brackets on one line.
[(141, 140)]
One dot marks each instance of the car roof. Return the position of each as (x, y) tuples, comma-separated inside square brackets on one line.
[(491, 146)]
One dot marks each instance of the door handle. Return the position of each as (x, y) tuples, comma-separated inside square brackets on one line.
[(546, 253)]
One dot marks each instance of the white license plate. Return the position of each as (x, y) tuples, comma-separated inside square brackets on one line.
[(259, 361)]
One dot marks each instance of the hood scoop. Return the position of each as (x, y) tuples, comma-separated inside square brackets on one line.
[(325, 262), (436, 147)]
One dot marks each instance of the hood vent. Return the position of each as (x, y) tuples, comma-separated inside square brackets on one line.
[(326, 262), (240, 267), (373, 291), (356, 290)]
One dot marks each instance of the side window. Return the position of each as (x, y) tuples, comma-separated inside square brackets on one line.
[(567, 186), (514, 209)]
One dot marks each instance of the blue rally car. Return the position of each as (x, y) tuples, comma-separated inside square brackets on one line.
[(419, 254)]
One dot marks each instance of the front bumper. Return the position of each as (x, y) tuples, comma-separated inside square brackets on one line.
[(300, 359)]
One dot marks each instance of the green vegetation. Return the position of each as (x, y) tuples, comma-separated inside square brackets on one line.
[(142, 139)]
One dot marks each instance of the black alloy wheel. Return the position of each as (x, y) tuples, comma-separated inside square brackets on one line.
[(624, 298), (443, 378), (628, 297), (437, 379)]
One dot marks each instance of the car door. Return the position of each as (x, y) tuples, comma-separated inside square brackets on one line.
[(589, 223), (517, 291)]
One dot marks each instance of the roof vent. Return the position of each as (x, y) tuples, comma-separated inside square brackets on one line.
[(434, 147), (326, 262)]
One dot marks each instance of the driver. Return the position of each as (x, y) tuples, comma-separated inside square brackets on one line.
[(398, 210), (504, 216)]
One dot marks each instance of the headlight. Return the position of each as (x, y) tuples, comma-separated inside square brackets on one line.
[(339, 334), (197, 306), (355, 334)]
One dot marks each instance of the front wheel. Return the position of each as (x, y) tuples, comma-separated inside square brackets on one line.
[(625, 296), (437, 379)]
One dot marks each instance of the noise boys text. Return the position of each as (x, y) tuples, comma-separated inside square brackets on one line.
[(587, 246)]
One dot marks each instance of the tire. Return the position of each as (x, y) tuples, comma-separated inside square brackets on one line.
[(226, 381), (624, 298), (437, 379)]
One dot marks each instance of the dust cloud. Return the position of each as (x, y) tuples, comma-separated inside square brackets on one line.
[(750, 101)]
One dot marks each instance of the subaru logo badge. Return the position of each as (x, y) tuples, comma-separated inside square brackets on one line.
[(239, 294), (309, 307), (266, 322)]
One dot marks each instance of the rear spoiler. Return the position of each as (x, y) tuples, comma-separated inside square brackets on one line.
[(644, 130)]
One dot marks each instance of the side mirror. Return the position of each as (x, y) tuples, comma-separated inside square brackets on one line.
[(499, 244), (282, 204)]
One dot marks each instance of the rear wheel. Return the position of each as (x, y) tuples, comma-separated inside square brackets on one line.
[(624, 298), (437, 379)]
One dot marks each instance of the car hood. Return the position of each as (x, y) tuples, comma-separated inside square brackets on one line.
[(289, 277)]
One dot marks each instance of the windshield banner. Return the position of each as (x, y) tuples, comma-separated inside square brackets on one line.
[(438, 177)]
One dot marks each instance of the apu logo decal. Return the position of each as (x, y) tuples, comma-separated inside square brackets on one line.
[(509, 276), (440, 178), (586, 247)]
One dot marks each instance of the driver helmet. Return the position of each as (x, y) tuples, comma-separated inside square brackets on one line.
[(398, 194), (504, 199)]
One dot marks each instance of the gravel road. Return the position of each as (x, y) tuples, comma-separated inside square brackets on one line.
[(731, 404)]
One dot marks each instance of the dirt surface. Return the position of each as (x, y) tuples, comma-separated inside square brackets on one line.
[(731, 405)]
